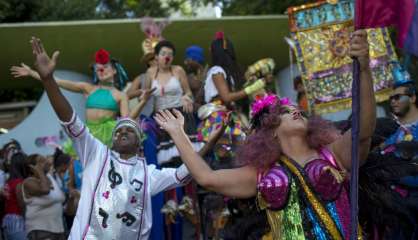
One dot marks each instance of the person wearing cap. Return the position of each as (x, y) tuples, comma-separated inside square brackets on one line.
[(194, 64), (117, 185), (104, 99)]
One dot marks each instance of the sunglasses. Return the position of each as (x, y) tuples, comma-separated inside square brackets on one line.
[(398, 97), (287, 110)]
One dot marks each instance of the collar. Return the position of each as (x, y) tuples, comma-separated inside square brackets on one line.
[(130, 161)]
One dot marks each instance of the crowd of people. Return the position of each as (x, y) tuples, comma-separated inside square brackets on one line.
[(281, 175)]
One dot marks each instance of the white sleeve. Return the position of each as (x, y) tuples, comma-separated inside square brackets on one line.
[(85, 144), (167, 178), (210, 88), (216, 70)]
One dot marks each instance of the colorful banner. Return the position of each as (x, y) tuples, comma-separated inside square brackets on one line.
[(321, 32)]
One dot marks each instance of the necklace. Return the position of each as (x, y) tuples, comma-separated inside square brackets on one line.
[(106, 84)]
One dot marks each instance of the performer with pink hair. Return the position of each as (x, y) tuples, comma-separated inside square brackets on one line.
[(294, 165)]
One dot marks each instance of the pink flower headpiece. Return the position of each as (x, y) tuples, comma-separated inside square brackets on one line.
[(268, 100)]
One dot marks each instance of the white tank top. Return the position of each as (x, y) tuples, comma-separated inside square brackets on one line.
[(45, 212), (168, 96)]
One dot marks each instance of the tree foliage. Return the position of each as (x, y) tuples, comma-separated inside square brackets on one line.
[(58, 10), (258, 7)]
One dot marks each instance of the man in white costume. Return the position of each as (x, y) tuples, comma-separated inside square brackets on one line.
[(117, 185)]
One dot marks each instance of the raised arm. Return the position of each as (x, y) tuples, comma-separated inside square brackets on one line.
[(143, 99), (25, 71), (135, 88), (46, 67), (238, 182), (40, 185), (342, 147), (227, 96), (84, 143)]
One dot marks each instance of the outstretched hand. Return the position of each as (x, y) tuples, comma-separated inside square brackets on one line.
[(146, 94), (43, 63), (23, 71), (170, 122)]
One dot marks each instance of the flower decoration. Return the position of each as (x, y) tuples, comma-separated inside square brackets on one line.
[(285, 101), (102, 56), (219, 35), (263, 102)]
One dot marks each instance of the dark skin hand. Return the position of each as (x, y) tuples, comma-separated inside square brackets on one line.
[(38, 185)]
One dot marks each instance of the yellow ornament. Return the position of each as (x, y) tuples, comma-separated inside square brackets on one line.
[(408, 137)]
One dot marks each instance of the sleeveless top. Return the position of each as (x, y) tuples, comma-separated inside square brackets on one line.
[(309, 202), (102, 99), (45, 212), (169, 95), (11, 206)]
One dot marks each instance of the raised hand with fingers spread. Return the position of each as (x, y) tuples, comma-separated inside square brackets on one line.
[(43, 63), (24, 71), (104, 100), (139, 181), (170, 122)]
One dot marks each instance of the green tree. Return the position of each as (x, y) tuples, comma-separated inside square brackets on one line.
[(131, 8), (259, 7), (58, 10), (53, 10), (16, 10), (46, 10)]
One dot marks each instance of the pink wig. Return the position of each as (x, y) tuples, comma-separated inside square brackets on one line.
[(261, 149)]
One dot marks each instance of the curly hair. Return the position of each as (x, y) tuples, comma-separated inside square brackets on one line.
[(262, 149)]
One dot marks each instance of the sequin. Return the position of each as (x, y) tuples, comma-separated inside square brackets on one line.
[(332, 209), (319, 210), (321, 32), (317, 230), (305, 216), (292, 221)]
